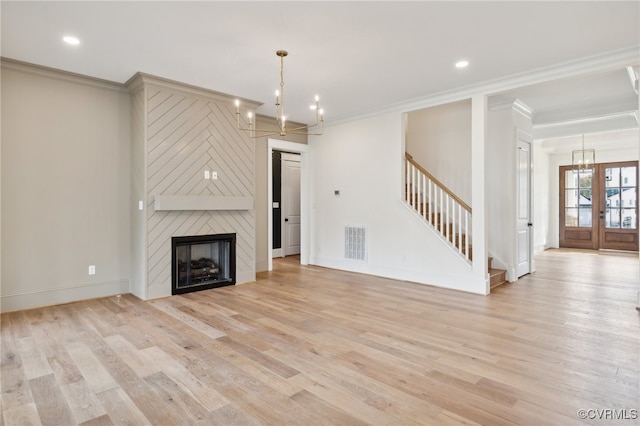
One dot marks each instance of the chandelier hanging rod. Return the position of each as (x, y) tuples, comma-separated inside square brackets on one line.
[(281, 118)]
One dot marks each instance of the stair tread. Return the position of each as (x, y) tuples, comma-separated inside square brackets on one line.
[(497, 277), (495, 271)]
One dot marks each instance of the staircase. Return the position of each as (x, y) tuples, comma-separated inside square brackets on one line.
[(445, 212), (497, 277)]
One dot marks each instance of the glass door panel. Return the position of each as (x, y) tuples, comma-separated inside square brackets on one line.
[(578, 198), (618, 212), (577, 208)]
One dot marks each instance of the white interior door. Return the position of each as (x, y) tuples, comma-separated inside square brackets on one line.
[(290, 204), (524, 226)]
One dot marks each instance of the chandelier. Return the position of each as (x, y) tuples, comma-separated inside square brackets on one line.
[(281, 118), (583, 158)]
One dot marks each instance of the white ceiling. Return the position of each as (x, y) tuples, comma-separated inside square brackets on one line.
[(358, 56)]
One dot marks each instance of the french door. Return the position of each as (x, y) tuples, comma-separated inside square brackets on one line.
[(599, 206)]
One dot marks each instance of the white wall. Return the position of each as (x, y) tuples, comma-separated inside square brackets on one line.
[(65, 187), (610, 147), (439, 139), (542, 218), (503, 124), (364, 160)]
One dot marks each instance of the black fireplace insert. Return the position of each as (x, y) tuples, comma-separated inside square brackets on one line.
[(202, 262)]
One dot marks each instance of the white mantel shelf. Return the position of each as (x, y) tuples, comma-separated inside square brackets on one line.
[(199, 202)]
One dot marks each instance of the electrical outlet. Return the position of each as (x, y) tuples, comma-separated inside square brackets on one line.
[(214, 175), (92, 269)]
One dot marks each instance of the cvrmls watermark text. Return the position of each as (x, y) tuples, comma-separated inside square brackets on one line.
[(608, 414)]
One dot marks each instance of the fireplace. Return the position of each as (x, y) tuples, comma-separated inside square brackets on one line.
[(203, 261)]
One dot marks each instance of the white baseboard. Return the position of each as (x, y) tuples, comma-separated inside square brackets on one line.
[(36, 299), (539, 247), (463, 282)]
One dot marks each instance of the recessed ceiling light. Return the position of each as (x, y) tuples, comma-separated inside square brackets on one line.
[(71, 40), (462, 64)]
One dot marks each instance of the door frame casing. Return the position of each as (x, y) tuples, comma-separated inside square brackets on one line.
[(303, 150), (526, 138), (286, 156)]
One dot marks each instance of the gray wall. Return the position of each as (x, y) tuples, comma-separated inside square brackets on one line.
[(74, 166), (65, 187)]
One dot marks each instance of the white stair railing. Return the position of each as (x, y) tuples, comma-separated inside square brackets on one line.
[(439, 206)]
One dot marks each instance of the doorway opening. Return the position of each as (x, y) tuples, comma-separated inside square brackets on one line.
[(599, 206), (274, 145), (286, 204)]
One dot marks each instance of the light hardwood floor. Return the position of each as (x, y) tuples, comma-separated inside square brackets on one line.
[(307, 345)]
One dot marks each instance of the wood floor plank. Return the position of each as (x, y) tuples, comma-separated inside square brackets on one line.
[(34, 362), (49, 342), (22, 415), (231, 415), (52, 406), (149, 403), (15, 387), (103, 420), (195, 323), (83, 401), (329, 414), (96, 376), (132, 356), (259, 357), (121, 409), (310, 345), (189, 409), (256, 370), (206, 396)]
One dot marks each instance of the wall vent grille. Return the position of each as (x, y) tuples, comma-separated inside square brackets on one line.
[(355, 243)]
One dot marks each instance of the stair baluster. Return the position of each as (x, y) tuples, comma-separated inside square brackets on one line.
[(439, 206)]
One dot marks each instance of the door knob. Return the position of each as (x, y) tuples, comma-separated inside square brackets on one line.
[(286, 219)]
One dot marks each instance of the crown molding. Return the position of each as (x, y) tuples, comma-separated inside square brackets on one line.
[(140, 79), (611, 60), (26, 67), (515, 105), (595, 124)]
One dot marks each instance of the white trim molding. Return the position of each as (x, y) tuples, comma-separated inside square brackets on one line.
[(305, 215)]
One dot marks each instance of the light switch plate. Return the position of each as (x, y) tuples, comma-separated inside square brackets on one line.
[(206, 174), (140, 205), (214, 175)]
